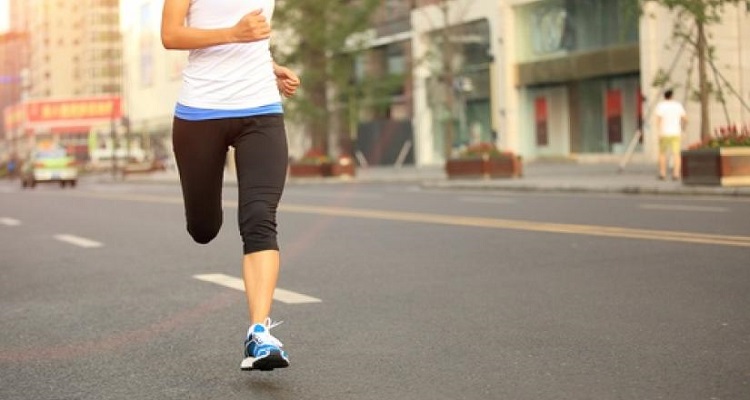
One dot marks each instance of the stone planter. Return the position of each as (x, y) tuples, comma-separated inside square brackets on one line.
[(310, 170), (721, 166), (484, 168)]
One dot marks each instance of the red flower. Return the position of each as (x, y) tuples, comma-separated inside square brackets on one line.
[(725, 136)]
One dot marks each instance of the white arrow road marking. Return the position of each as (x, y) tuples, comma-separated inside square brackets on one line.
[(284, 296), (9, 222), (78, 241)]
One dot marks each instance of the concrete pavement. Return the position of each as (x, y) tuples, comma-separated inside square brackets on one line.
[(541, 176)]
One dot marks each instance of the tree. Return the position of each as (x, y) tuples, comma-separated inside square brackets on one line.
[(700, 14), (323, 41), (445, 58)]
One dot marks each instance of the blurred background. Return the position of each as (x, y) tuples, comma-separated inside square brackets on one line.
[(388, 82)]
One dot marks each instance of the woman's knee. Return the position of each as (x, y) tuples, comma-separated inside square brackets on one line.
[(204, 232), (258, 227)]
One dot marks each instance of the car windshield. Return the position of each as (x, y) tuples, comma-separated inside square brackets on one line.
[(47, 154)]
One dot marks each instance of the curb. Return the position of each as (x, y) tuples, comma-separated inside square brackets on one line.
[(436, 183)]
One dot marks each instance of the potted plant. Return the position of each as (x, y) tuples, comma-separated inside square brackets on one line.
[(314, 163), (484, 160), (722, 159)]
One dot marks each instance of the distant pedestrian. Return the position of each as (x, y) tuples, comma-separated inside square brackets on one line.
[(670, 122), (231, 96), (12, 167)]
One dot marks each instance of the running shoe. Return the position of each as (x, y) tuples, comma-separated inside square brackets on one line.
[(262, 350)]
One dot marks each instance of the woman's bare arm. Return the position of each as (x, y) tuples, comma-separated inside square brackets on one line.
[(177, 36)]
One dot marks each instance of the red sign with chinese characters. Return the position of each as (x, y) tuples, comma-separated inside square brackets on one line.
[(73, 109)]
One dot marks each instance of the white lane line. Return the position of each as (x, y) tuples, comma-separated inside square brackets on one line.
[(677, 207), (487, 200), (284, 296), (78, 241), (9, 222)]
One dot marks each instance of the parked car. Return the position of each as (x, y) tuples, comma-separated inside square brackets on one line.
[(49, 165)]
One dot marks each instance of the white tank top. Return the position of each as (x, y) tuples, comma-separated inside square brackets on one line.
[(231, 76)]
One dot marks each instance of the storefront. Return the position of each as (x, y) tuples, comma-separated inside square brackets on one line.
[(65, 122), (578, 77), (458, 87)]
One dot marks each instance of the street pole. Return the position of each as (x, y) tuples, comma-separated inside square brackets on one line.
[(112, 85), (113, 136)]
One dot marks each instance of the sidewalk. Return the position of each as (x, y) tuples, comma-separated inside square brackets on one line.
[(543, 176)]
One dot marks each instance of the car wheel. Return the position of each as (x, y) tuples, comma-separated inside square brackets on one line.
[(32, 184), (73, 183), (62, 184)]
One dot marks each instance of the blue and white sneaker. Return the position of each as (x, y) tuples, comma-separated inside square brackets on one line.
[(262, 350)]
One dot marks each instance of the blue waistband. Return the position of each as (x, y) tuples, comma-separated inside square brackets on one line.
[(199, 114)]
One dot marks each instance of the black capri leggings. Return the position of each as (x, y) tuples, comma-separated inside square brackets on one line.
[(261, 157)]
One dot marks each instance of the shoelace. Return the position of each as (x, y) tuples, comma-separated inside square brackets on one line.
[(266, 337)]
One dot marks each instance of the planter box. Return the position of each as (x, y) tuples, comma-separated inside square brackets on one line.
[(484, 168), (722, 166), (141, 168), (343, 169), (308, 170)]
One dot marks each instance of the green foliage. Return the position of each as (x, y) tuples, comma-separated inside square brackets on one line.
[(375, 92), (706, 11), (484, 150), (323, 44)]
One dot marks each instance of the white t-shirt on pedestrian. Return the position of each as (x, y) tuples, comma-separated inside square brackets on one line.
[(670, 113)]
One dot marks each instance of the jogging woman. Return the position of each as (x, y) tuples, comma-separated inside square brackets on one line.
[(231, 96)]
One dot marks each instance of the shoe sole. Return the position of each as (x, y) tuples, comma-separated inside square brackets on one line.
[(267, 363)]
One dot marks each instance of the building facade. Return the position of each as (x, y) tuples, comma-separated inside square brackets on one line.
[(577, 76), (13, 65), (728, 71), (560, 79), (570, 79), (458, 64), (383, 131), (153, 76), (73, 59), (75, 48)]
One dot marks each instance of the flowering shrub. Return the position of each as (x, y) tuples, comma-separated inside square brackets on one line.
[(483, 149), (315, 156), (725, 136)]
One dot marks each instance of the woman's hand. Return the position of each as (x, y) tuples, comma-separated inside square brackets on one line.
[(252, 27), (286, 80)]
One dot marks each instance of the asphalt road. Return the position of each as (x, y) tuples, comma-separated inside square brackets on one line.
[(411, 293)]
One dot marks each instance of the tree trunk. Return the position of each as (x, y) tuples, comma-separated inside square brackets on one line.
[(447, 81), (317, 93), (704, 90)]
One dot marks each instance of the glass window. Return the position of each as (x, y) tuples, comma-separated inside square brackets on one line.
[(395, 59), (553, 28), (604, 113)]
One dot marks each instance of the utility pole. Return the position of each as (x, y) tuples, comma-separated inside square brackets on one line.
[(109, 17)]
